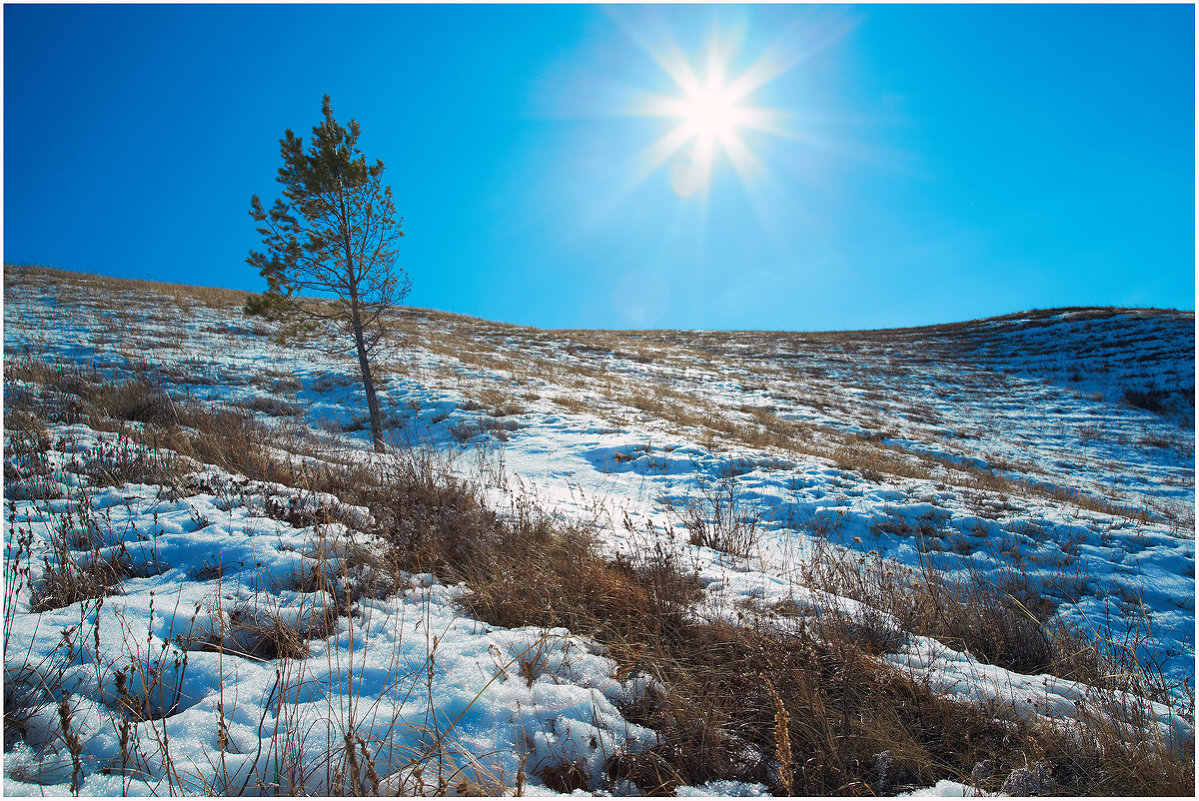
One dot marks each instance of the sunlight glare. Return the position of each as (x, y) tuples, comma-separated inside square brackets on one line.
[(710, 114), (716, 114)]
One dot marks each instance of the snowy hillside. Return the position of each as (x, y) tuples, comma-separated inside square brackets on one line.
[(958, 557)]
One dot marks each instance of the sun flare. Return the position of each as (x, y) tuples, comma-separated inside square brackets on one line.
[(718, 112), (711, 115)]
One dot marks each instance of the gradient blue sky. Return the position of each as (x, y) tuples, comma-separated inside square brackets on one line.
[(939, 163)]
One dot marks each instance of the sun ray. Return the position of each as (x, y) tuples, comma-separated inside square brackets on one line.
[(745, 163), (656, 154), (764, 120)]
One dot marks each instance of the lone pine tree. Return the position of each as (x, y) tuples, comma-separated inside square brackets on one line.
[(331, 245)]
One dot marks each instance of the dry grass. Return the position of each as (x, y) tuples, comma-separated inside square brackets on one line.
[(265, 633), (16, 275), (499, 402), (83, 568), (82, 563), (718, 518), (1151, 399), (545, 575), (1001, 616), (718, 714), (120, 462)]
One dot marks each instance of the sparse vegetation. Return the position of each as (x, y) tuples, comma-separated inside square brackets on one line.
[(718, 517), (1150, 399)]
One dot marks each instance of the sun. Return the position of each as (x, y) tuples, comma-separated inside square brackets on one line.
[(711, 115), (729, 121), (711, 112)]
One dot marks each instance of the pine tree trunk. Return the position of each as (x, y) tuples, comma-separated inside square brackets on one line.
[(364, 362), (368, 380), (368, 384)]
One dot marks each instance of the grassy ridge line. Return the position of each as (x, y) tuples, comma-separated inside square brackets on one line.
[(218, 296)]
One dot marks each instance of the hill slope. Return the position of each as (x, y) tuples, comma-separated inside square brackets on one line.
[(970, 503)]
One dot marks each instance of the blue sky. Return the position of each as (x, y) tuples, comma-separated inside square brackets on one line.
[(905, 164)]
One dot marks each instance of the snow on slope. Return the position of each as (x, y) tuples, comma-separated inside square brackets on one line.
[(972, 446), (414, 667)]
